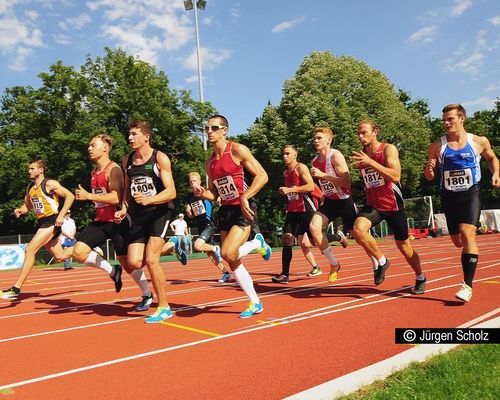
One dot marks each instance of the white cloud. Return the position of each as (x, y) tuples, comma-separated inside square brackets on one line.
[(210, 59), (285, 25), (75, 23), (14, 33), (471, 64), (424, 35), (460, 7), (481, 103), (61, 38), (31, 14), (495, 20), (20, 59)]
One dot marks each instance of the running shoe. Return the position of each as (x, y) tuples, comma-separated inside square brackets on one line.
[(379, 273), (179, 253), (217, 254), (465, 292), (160, 315), (9, 294), (99, 251), (225, 277), (315, 272), (419, 287), (253, 308), (117, 278), (343, 239), (145, 303), (280, 279), (264, 250), (333, 275)]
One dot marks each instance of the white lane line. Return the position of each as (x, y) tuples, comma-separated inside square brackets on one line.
[(199, 342)]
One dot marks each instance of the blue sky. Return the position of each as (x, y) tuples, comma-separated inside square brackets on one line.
[(444, 51)]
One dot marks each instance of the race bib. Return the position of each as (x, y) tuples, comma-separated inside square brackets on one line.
[(372, 178), (292, 196), (99, 190), (458, 181), (327, 187), (198, 208), (144, 185), (37, 205), (227, 188)]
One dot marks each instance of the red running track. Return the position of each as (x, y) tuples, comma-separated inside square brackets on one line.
[(70, 336)]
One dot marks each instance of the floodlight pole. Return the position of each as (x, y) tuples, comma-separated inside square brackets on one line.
[(198, 56)]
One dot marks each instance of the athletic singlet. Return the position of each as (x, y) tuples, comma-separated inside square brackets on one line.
[(330, 190), (297, 202), (381, 194), (459, 168), (228, 177), (145, 179), (201, 208), (99, 184), (44, 204)]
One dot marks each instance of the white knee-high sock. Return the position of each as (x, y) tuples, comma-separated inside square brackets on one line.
[(96, 261), (139, 278), (247, 247), (246, 283), (329, 256)]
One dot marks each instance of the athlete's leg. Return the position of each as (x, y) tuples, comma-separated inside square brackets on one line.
[(305, 246), (411, 255), (153, 252)]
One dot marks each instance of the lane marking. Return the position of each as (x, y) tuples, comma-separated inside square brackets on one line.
[(188, 328), (203, 341), (6, 391), (492, 282)]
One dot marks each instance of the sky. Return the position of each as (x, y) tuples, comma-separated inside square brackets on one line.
[(443, 51)]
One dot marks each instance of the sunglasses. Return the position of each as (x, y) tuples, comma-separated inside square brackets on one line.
[(213, 127)]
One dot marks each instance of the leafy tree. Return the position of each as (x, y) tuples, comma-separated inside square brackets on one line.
[(57, 120), (339, 92)]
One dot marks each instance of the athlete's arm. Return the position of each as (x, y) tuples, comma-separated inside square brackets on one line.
[(305, 177), (53, 186), (432, 158), (211, 192), (490, 156), (189, 211), (392, 169), (24, 208), (115, 189), (122, 212), (167, 194), (339, 163), (259, 174)]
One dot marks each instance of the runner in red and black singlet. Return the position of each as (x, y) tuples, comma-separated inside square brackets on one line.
[(226, 178), (381, 171), (298, 189), (330, 169)]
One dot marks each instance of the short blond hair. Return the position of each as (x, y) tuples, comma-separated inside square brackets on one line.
[(195, 174), (458, 107)]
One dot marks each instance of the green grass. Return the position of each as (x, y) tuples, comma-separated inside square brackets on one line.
[(466, 372)]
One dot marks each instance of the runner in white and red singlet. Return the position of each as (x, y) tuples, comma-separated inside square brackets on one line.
[(381, 171), (330, 168)]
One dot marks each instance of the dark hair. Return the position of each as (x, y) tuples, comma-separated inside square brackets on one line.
[(105, 138), (372, 123), (221, 118), (39, 163), (143, 125)]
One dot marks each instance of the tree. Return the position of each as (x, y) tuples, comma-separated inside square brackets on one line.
[(57, 120), (339, 92)]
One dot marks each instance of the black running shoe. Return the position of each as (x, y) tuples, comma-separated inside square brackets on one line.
[(117, 278), (145, 303), (379, 274), (280, 279), (419, 287)]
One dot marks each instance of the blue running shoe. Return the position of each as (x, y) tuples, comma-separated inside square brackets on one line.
[(217, 254), (145, 303), (179, 253), (264, 250), (253, 308), (160, 315), (225, 277)]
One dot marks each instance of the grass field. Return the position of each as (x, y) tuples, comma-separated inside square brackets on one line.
[(467, 372)]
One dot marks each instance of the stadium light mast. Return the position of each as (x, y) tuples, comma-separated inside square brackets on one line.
[(198, 5)]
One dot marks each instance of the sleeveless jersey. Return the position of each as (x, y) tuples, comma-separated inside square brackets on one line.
[(99, 184), (145, 179), (228, 177), (44, 204), (201, 208), (297, 202), (381, 194), (459, 168), (330, 190)]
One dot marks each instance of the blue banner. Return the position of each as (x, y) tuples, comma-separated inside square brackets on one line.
[(12, 256)]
